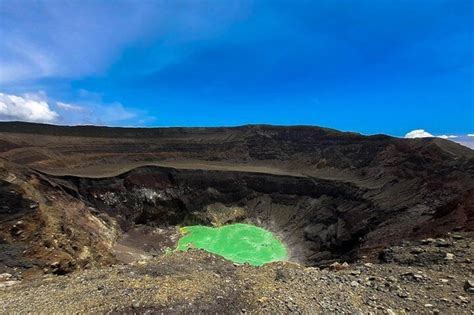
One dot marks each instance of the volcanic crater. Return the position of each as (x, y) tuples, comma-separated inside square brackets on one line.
[(327, 195), (77, 198)]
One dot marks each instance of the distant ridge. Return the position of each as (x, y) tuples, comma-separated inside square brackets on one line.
[(108, 131)]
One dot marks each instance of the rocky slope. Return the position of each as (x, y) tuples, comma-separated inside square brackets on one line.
[(425, 277)]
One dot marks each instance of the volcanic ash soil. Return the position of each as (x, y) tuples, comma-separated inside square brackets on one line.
[(430, 276)]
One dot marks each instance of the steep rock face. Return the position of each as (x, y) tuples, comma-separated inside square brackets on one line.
[(319, 220), (43, 228), (312, 217)]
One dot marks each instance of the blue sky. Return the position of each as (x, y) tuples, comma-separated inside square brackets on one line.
[(374, 66)]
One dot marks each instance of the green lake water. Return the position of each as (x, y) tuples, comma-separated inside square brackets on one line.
[(240, 243)]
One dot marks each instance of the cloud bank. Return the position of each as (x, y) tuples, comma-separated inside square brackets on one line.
[(421, 133), (37, 107), (29, 107), (418, 133), (37, 35), (447, 137), (465, 140), (69, 107)]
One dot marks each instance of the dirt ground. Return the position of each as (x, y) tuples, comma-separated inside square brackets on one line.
[(426, 277)]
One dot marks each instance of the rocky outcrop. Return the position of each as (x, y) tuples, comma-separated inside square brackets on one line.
[(45, 229)]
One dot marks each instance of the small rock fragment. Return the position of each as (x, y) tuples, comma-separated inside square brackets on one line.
[(469, 286), (441, 242), (8, 283), (282, 275), (449, 256), (5, 276), (417, 250), (463, 299), (427, 241), (338, 266), (33, 206), (417, 277)]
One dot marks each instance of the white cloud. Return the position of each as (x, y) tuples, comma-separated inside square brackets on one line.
[(70, 39), (94, 113), (465, 140), (91, 109), (116, 112), (447, 137), (29, 107), (69, 107), (418, 133), (421, 133), (37, 107)]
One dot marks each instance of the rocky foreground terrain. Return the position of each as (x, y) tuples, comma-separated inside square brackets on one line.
[(430, 276), (89, 217)]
